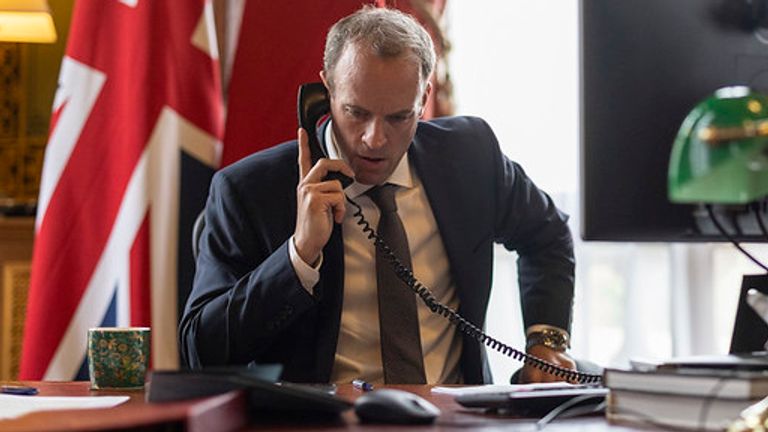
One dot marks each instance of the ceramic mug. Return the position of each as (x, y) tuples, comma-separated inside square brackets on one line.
[(118, 357)]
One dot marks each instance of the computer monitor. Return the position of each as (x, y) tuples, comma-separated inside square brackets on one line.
[(644, 66)]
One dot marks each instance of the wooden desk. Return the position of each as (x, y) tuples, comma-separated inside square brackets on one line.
[(221, 413)]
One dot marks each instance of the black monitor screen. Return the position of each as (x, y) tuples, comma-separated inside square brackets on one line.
[(644, 66)]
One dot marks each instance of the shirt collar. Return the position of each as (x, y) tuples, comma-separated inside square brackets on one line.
[(401, 176)]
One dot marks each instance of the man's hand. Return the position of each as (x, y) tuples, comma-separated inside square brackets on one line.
[(318, 203), (530, 374)]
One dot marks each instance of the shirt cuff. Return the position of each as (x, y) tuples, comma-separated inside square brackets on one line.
[(307, 274)]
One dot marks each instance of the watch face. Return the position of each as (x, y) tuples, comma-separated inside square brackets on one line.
[(549, 338), (556, 338), (557, 345)]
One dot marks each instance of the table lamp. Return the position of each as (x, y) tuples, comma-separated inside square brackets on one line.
[(720, 155), (26, 21)]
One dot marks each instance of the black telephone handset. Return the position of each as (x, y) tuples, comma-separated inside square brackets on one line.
[(313, 104)]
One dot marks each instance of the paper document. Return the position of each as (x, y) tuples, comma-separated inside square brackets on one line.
[(501, 388), (17, 406)]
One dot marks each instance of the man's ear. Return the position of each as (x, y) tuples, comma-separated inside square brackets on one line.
[(425, 98), (324, 79)]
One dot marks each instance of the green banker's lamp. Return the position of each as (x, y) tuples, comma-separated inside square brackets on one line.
[(720, 155)]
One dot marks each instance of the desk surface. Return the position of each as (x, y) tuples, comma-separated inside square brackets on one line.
[(198, 415)]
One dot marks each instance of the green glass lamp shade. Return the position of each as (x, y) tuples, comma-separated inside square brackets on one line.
[(720, 155)]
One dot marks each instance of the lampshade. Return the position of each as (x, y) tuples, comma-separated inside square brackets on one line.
[(26, 21), (720, 155)]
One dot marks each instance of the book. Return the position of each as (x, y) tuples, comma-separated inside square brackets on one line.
[(677, 411), (722, 384), (752, 361)]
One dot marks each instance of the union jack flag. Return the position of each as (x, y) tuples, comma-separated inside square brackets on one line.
[(139, 93)]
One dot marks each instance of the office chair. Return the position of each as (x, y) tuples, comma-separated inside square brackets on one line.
[(197, 231)]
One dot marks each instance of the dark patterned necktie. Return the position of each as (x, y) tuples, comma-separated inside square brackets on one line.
[(398, 319)]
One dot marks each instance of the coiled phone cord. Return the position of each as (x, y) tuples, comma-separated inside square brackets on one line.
[(406, 275)]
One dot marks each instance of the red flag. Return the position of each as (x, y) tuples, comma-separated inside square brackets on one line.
[(139, 84), (281, 46)]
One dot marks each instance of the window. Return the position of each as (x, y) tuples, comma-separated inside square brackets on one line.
[(515, 63)]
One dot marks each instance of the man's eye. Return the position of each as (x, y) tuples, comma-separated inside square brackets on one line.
[(356, 113), (398, 118)]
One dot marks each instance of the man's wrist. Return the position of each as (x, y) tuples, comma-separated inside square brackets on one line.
[(310, 258), (308, 275), (549, 336)]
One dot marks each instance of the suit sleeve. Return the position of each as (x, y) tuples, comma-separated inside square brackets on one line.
[(245, 291), (528, 221)]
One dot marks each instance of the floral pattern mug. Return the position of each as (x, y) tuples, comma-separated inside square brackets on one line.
[(118, 357)]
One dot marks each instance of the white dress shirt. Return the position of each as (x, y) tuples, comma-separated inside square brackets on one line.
[(358, 353)]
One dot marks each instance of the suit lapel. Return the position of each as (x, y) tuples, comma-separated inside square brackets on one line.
[(330, 298), (446, 194), (331, 294)]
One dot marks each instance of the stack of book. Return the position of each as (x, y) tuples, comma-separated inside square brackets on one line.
[(688, 398)]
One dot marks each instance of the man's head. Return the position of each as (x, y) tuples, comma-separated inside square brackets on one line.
[(377, 67)]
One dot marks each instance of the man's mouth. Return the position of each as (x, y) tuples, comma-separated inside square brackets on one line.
[(371, 164), (372, 159)]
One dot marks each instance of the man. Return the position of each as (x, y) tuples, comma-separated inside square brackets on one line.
[(287, 275)]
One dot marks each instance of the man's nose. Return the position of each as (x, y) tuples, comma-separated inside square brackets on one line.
[(374, 136)]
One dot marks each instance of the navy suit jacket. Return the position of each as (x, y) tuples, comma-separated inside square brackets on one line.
[(247, 304)]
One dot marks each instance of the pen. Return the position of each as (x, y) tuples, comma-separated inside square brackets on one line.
[(18, 390), (362, 385)]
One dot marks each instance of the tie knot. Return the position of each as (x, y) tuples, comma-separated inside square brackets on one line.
[(384, 197)]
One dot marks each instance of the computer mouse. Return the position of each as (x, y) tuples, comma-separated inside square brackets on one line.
[(395, 406)]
